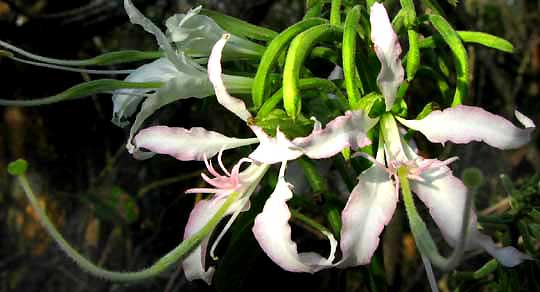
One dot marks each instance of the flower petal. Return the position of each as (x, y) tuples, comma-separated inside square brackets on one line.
[(126, 101), (273, 232), (445, 196), (348, 130), (187, 144), (136, 17), (463, 124), (273, 149), (204, 210), (182, 86), (194, 263), (233, 104), (195, 34), (388, 49), (370, 207)]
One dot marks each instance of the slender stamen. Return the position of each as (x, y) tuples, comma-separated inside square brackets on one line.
[(220, 154), (225, 229), (210, 167)]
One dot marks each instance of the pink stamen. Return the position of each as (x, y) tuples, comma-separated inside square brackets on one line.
[(220, 154)]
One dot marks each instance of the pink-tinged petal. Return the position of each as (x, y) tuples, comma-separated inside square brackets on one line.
[(194, 264), (388, 49), (273, 232), (187, 144), (506, 256), (233, 104), (463, 124), (273, 149), (370, 207), (445, 196), (348, 130)]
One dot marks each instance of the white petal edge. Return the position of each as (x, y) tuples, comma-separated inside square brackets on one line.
[(136, 17), (273, 149), (388, 50), (233, 104), (348, 130), (187, 144), (445, 196), (126, 101), (463, 124), (273, 233), (370, 207)]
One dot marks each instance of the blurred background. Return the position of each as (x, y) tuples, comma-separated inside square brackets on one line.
[(124, 214)]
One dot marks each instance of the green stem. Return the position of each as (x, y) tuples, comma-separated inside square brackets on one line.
[(313, 8), (423, 239), (349, 56), (271, 56), (324, 85), (298, 50), (240, 27), (335, 12), (451, 37), (309, 222), (84, 89), (160, 266)]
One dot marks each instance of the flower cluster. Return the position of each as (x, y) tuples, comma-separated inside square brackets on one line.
[(373, 200)]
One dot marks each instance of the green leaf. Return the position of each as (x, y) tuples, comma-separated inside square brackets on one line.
[(413, 56), (18, 167), (278, 118), (481, 38), (452, 39), (240, 27), (409, 13), (271, 54), (81, 90), (353, 85), (297, 53)]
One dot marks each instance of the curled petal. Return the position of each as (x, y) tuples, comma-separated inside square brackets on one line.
[(187, 144), (507, 256), (273, 232), (388, 49), (126, 101), (273, 149), (445, 196), (463, 124), (370, 207), (136, 17), (195, 34), (348, 130), (194, 264), (233, 104)]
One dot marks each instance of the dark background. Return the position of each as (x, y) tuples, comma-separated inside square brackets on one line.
[(78, 160)]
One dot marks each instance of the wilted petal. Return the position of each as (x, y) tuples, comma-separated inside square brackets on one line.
[(194, 263), (370, 207), (273, 232), (195, 34), (204, 210), (126, 101), (182, 86), (388, 49), (187, 144), (348, 130), (506, 256), (233, 104), (136, 17), (463, 124), (273, 149), (445, 196)]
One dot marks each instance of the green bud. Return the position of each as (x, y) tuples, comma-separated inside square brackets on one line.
[(17, 167)]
